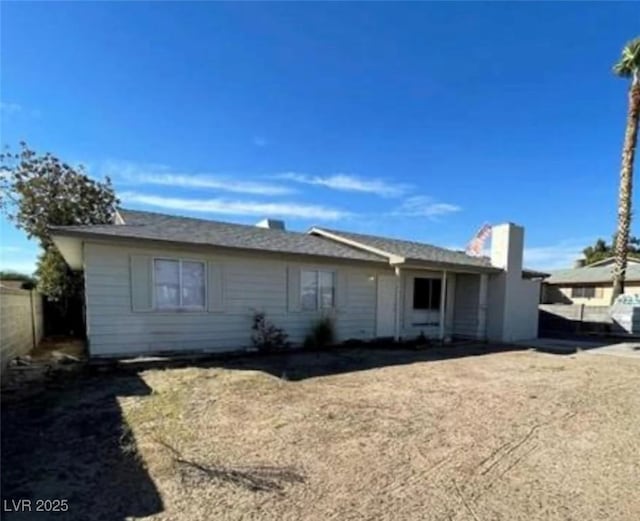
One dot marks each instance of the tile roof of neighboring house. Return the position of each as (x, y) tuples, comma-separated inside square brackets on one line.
[(161, 227), (591, 275), (410, 250)]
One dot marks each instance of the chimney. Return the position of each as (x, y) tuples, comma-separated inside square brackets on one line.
[(512, 311), (507, 247), (271, 224), (580, 263)]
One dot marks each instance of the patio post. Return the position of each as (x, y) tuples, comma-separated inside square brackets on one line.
[(396, 330)]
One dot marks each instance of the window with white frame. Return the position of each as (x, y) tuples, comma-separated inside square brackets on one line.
[(317, 289), (179, 284)]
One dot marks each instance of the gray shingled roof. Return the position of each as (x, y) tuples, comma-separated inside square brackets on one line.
[(161, 227), (591, 275), (411, 250)]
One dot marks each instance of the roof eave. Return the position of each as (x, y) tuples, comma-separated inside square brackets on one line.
[(609, 260), (585, 282), (420, 264), (70, 247), (534, 274), (404, 262), (351, 242), (119, 239)]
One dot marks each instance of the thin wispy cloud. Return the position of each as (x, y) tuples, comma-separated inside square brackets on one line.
[(425, 206), (10, 249), (134, 174), (215, 183), (561, 255), (235, 207), (10, 108), (128, 169), (348, 183)]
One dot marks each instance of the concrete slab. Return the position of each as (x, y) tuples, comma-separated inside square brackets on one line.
[(592, 347)]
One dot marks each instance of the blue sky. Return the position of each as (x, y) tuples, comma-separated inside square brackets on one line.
[(416, 120)]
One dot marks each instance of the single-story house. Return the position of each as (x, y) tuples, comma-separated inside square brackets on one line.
[(591, 285), (158, 282)]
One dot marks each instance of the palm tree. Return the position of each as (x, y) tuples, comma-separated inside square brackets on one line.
[(627, 67)]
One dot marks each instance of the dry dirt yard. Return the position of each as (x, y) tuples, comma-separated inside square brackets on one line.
[(355, 434)]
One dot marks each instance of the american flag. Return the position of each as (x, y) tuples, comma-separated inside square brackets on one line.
[(474, 248)]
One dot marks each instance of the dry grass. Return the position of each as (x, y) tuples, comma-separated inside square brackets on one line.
[(507, 436), (504, 436)]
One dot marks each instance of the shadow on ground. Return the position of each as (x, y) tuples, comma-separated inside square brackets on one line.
[(69, 441), (571, 344), (299, 365)]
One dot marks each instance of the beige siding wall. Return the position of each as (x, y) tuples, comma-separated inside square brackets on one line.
[(562, 295), (251, 282), (20, 320), (465, 317)]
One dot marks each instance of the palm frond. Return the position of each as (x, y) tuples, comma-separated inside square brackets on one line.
[(629, 63)]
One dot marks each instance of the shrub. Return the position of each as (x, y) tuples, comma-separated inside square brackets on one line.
[(422, 341), (384, 342), (322, 334), (354, 342), (266, 336)]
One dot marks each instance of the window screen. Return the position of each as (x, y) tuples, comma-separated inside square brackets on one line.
[(179, 284), (167, 284), (193, 284), (317, 289), (309, 290)]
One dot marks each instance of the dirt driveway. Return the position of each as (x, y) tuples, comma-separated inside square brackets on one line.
[(356, 434)]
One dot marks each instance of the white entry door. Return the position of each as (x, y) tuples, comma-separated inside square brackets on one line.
[(386, 306)]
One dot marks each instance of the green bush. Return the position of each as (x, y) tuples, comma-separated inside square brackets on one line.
[(322, 334)]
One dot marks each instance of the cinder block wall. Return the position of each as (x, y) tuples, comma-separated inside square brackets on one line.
[(21, 323), (576, 318)]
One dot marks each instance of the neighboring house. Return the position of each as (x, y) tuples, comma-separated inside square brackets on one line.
[(590, 285), (163, 283), (11, 283)]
